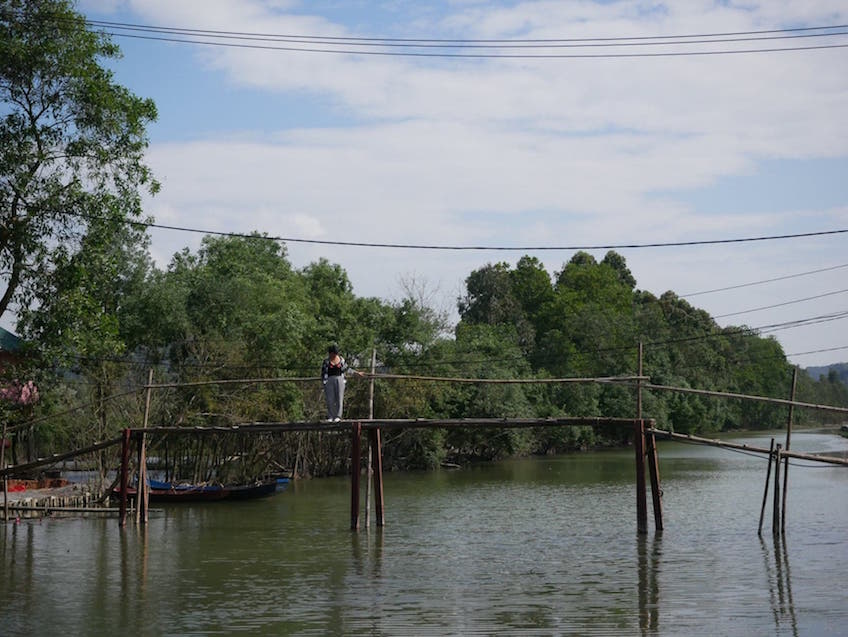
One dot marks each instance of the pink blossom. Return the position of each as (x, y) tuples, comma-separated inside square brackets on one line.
[(20, 393)]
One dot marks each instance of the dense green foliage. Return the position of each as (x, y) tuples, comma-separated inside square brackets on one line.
[(99, 314), (238, 309), (71, 162)]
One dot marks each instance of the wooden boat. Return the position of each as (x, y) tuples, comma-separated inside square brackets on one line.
[(176, 492)]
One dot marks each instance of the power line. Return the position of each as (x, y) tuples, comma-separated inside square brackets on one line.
[(445, 48), (780, 278), (412, 246), (754, 36), (819, 351), (424, 54), (769, 307), (345, 39)]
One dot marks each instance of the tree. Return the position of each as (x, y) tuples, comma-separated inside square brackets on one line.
[(71, 147)]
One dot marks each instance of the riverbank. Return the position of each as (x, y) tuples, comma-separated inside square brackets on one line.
[(43, 501)]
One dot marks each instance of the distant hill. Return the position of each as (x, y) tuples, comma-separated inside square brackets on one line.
[(840, 368)]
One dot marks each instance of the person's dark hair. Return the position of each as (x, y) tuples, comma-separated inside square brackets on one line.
[(333, 349)]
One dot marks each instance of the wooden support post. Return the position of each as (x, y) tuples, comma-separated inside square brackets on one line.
[(125, 470), (5, 477), (139, 461), (788, 436), (775, 519), (654, 472), (377, 454), (143, 481), (639, 384), (368, 468), (653, 461), (765, 491), (142, 491), (641, 491), (355, 459)]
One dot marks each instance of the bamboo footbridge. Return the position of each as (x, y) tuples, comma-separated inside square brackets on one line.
[(644, 432)]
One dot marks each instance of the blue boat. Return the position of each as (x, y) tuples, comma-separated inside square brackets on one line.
[(180, 492)]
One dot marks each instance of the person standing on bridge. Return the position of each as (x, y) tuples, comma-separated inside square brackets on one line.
[(333, 377)]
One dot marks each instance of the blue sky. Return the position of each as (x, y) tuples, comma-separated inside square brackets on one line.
[(510, 152)]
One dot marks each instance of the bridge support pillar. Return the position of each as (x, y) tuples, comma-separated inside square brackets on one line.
[(641, 490), (654, 473), (377, 456), (355, 469), (125, 470)]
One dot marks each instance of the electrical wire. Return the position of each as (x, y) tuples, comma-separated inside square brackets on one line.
[(413, 246), (345, 39), (356, 44), (117, 28), (769, 307), (514, 56), (753, 283)]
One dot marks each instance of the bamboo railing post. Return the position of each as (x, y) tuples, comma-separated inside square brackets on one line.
[(370, 447), (639, 385), (788, 436), (654, 473), (639, 448), (653, 460), (376, 447), (5, 477), (765, 491), (139, 460), (355, 459), (125, 461), (144, 483), (641, 491), (775, 519)]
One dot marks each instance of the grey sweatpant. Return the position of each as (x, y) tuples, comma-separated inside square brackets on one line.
[(334, 394)]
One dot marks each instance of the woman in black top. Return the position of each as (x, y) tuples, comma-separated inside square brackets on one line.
[(333, 376)]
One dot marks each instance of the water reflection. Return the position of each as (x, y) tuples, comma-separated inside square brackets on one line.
[(649, 551), (779, 583)]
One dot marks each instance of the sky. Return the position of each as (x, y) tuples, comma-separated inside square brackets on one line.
[(513, 152)]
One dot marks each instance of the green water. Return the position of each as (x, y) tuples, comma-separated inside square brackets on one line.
[(528, 547)]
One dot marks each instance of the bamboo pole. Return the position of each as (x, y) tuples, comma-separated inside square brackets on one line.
[(653, 460), (766, 489), (761, 399), (444, 379), (355, 459), (400, 423), (654, 473), (139, 460), (641, 494), (144, 483), (639, 385), (379, 504), (56, 457), (5, 477), (370, 447), (775, 517), (788, 436), (125, 461), (730, 445)]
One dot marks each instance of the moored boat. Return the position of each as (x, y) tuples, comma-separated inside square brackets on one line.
[(179, 492)]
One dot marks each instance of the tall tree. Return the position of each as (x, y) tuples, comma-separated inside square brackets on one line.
[(71, 146)]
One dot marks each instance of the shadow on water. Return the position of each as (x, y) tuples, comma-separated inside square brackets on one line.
[(779, 583), (649, 552)]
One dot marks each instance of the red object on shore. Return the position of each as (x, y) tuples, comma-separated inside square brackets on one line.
[(44, 483)]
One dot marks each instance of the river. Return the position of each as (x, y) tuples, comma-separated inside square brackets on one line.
[(540, 546)]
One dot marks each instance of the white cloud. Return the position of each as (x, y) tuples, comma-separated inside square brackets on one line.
[(569, 152)]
